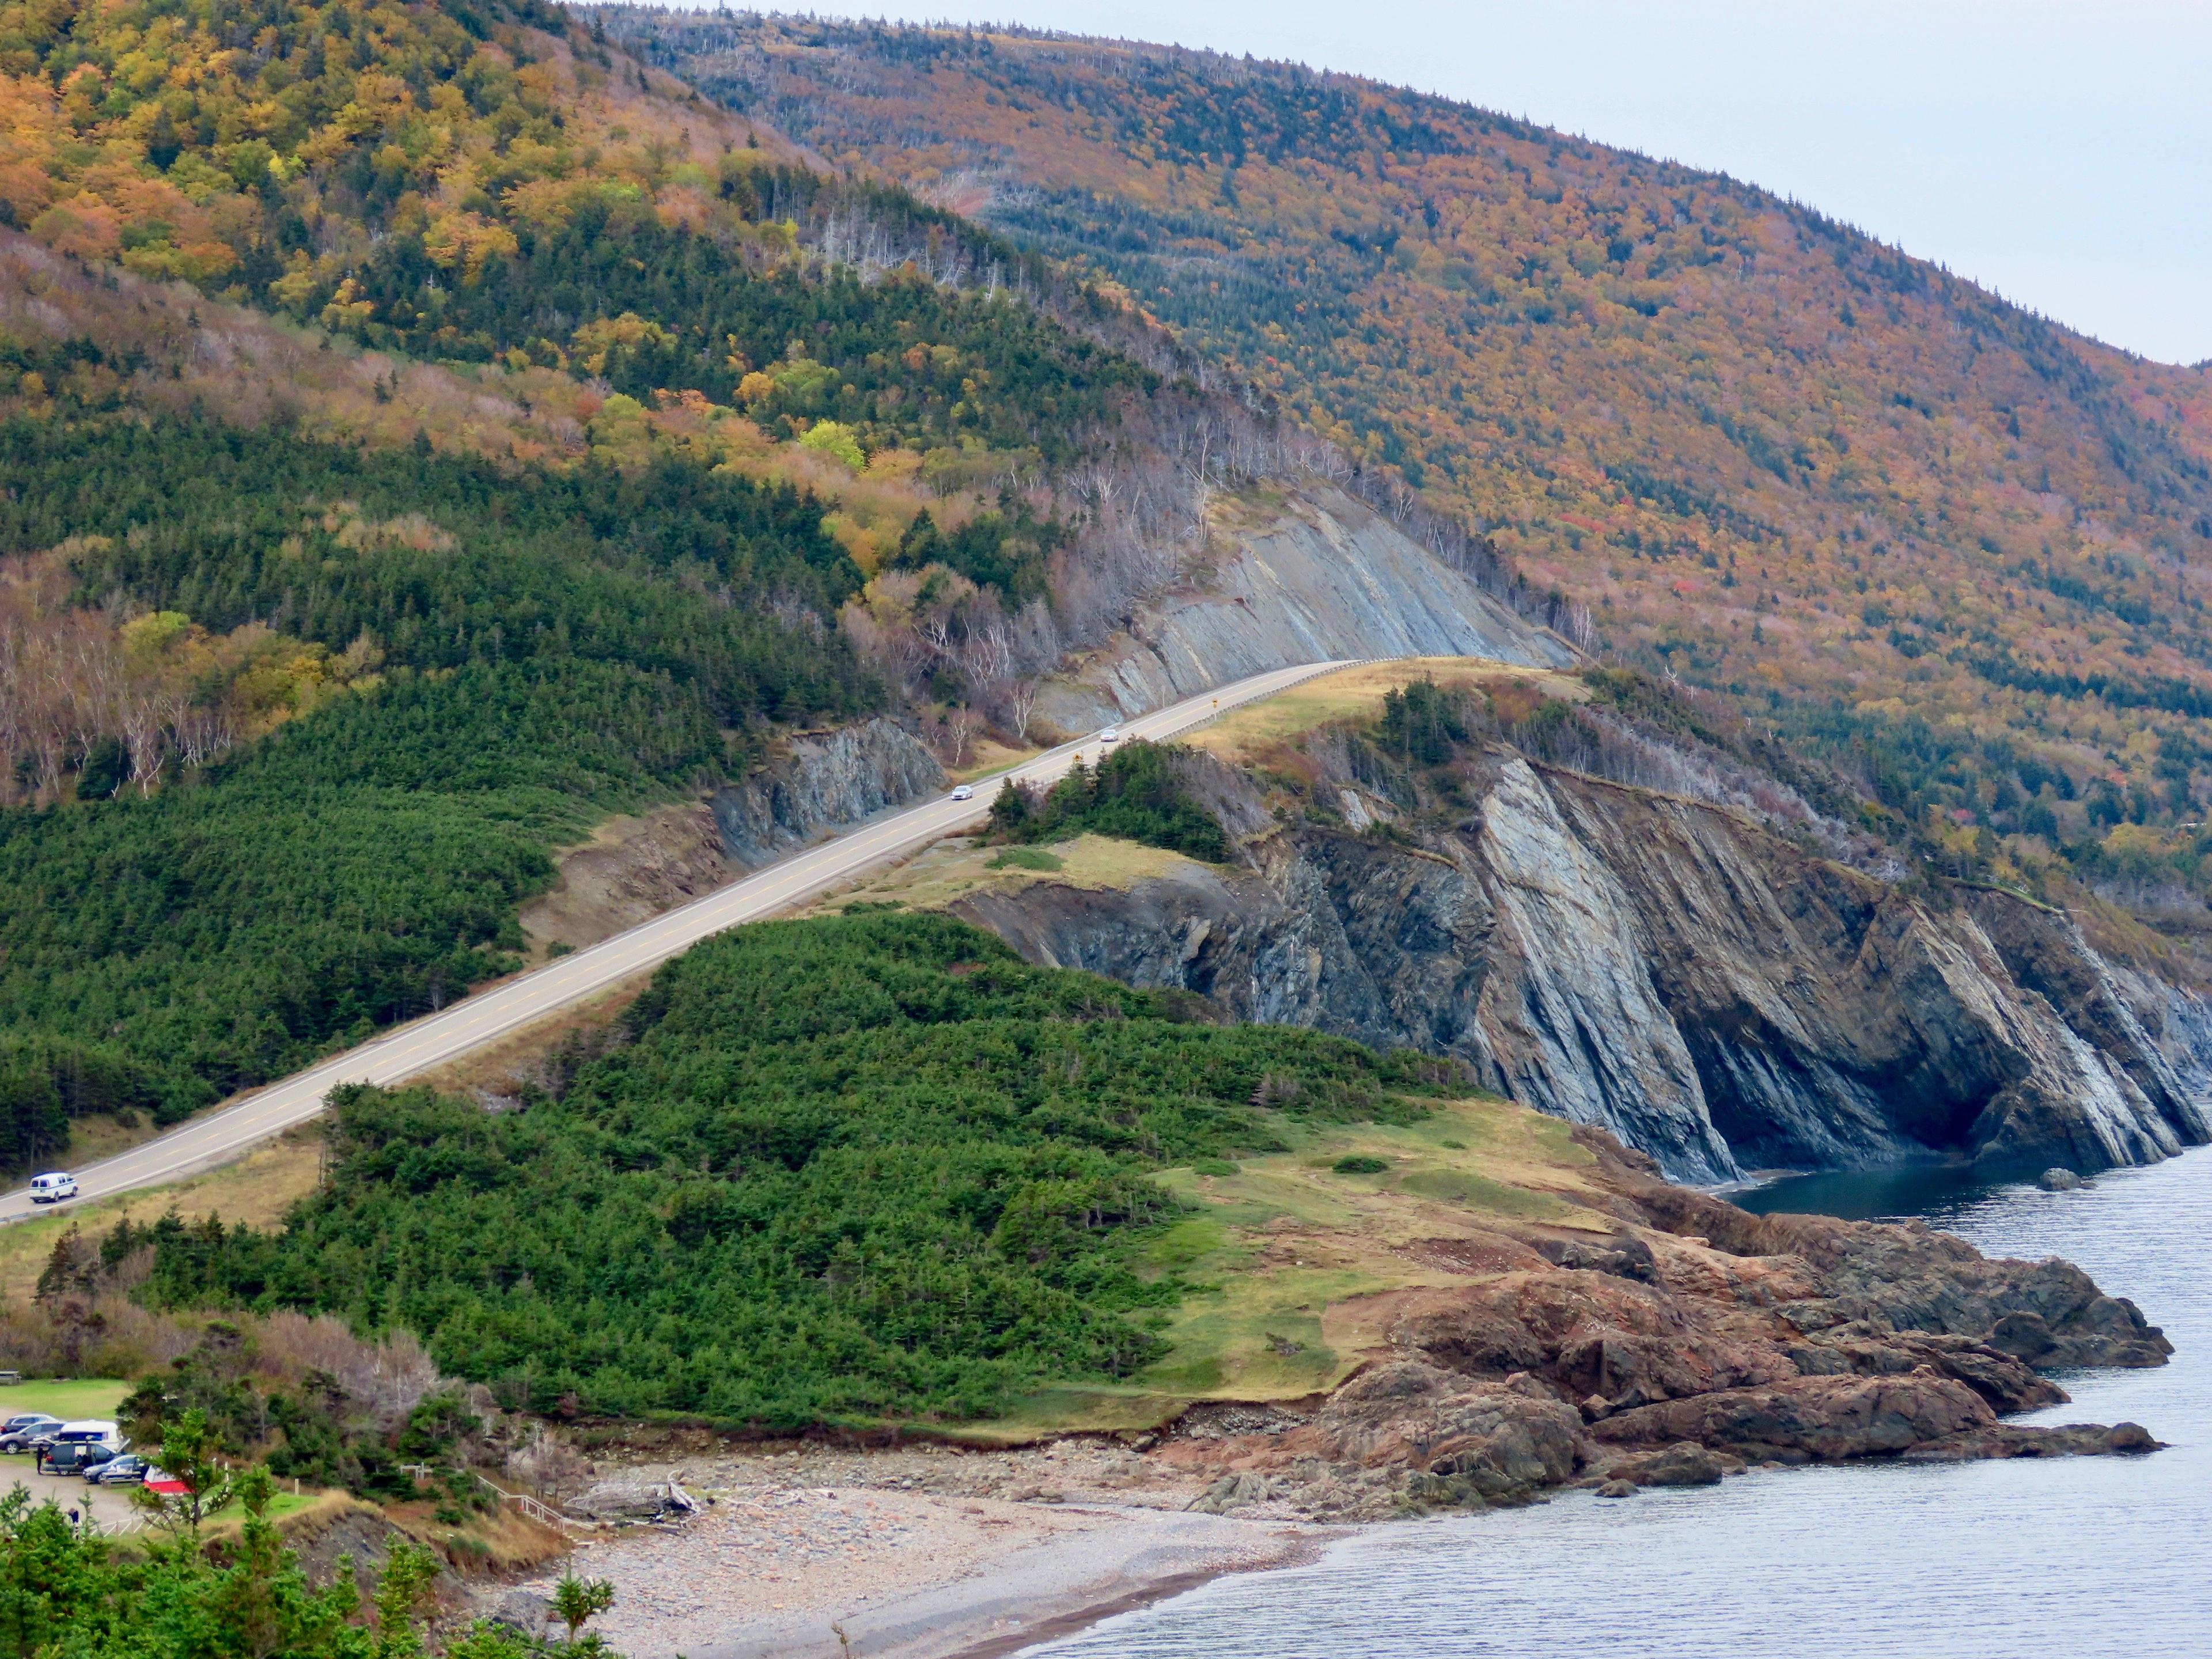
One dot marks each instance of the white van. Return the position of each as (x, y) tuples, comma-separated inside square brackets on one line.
[(53, 1186), (89, 1432)]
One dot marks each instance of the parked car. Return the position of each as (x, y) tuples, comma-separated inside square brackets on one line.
[(17, 1433), (53, 1186), (965, 792), (75, 1456), (127, 1470), (76, 1447)]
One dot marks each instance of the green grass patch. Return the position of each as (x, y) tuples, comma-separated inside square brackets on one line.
[(1027, 858), (1481, 1193), (280, 1505), (67, 1398), (1261, 1341)]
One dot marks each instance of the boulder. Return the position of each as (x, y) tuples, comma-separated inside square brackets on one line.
[(1828, 1418), (525, 1611), (1683, 1464), (627, 1500)]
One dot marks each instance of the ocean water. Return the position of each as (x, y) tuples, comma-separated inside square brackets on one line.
[(2072, 1558)]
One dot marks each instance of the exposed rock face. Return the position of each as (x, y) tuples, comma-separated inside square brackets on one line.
[(1694, 1340), (1673, 971), (1313, 577), (828, 779)]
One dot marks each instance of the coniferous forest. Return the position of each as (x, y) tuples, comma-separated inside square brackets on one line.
[(829, 1171), (429, 429)]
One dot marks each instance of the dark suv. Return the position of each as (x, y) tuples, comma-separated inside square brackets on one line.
[(75, 1456)]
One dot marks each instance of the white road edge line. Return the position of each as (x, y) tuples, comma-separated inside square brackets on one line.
[(407, 1051)]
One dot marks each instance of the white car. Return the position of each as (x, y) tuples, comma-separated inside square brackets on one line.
[(53, 1186), (1109, 735), (965, 792)]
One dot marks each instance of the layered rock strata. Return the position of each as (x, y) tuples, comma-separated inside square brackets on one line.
[(1695, 1340), (823, 781), (1307, 574), (1707, 989)]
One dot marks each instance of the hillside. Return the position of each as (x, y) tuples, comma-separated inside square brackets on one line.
[(1960, 550), (827, 1170), (428, 432), (356, 551)]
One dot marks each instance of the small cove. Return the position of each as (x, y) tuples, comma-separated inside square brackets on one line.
[(2075, 1556)]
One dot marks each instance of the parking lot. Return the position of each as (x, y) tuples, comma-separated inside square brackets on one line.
[(69, 1400), (110, 1506)]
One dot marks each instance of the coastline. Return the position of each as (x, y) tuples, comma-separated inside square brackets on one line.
[(1053, 1628), (926, 1552)]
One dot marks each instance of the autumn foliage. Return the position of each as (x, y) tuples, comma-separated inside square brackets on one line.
[(1774, 457)]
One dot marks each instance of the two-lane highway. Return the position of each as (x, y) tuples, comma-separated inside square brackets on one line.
[(410, 1050)]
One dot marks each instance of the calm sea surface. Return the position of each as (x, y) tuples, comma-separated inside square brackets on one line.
[(2070, 1559)]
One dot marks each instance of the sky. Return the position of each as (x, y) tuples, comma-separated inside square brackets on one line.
[(2059, 151)]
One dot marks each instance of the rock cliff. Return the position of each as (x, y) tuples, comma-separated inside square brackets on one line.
[(823, 781), (1703, 986), (1305, 576)]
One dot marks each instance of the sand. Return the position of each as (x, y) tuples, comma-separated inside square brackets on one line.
[(917, 1555)]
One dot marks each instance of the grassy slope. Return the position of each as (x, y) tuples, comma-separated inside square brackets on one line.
[(952, 869), (1301, 1265), (1249, 733), (254, 1191)]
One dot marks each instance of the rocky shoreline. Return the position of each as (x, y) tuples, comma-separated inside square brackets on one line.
[(1695, 1341), (1690, 1342)]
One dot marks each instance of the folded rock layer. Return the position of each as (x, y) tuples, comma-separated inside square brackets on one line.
[(1672, 970)]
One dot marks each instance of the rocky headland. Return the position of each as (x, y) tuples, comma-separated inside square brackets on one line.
[(1694, 1340), (1648, 1335)]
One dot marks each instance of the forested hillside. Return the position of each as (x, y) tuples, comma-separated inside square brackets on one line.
[(826, 1171), (1954, 546), (427, 430), (457, 669), (425, 433)]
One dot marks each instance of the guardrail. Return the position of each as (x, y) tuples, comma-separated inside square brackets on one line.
[(536, 1509)]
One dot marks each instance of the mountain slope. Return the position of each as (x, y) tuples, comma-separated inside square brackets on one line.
[(1774, 456), (311, 650), (426, 431)]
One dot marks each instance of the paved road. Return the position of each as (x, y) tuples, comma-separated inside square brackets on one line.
[(410, 1050)]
